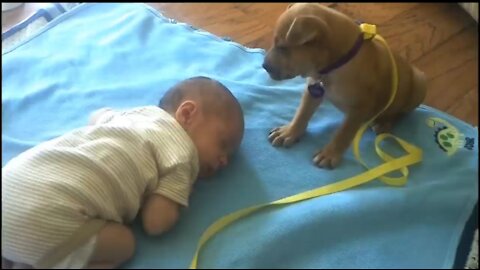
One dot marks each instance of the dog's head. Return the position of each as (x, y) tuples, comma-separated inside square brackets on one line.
[(300, 43)]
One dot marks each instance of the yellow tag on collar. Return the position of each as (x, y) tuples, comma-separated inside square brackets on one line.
[(369, 30)]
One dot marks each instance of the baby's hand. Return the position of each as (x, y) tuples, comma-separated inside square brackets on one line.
[(159, 214), (95, 116)]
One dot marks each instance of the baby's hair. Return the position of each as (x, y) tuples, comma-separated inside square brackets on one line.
[(199, 88), (174, 96), (213, 98)]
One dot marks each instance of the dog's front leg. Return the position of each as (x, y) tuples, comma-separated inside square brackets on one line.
[(291, 133), (331, 155)]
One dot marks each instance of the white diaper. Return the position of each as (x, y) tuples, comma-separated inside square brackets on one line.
[(79, 258)]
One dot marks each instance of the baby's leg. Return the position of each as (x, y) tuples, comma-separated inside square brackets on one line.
[(21, 266), (112, 246), (7, 264), (115, 245)]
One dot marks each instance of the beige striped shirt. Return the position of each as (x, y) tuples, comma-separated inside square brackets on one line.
[(103, 171)]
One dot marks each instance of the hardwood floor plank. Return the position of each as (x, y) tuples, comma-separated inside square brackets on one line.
[(375, 13), (412, 34), (445, 90), (460, 48), (466, 108)]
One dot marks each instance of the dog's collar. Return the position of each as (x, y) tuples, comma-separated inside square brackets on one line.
[(317, 90), (347, 57), (368, 31)]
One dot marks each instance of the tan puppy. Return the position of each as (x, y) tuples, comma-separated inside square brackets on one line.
[(309, 38)]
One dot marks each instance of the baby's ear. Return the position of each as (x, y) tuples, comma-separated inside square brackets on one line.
[(306, 28), (185, 112)]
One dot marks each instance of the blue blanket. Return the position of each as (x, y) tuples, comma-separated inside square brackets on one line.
[(125, 55)]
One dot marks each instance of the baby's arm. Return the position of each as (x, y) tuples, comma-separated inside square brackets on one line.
[(161, 209), (159, 214)]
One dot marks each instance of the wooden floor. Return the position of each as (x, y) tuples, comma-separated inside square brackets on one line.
[(440, 39)]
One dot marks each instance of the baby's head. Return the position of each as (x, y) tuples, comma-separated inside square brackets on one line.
[(210, 115)]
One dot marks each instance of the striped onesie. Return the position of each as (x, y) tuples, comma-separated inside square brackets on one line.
[(60, 193)]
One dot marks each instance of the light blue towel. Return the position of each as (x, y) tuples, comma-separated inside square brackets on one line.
[(125, 55)]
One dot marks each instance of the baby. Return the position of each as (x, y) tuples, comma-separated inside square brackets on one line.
[(65, 201)]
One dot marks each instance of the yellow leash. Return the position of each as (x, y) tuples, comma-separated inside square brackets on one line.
[(413, 156)]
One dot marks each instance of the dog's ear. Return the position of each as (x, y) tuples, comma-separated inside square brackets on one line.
[(306, 28), (289, 6)]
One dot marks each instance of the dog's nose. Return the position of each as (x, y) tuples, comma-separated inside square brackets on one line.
[(267, 67)]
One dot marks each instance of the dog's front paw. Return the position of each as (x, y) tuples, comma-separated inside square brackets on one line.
[(285, 136), (327, 158)]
